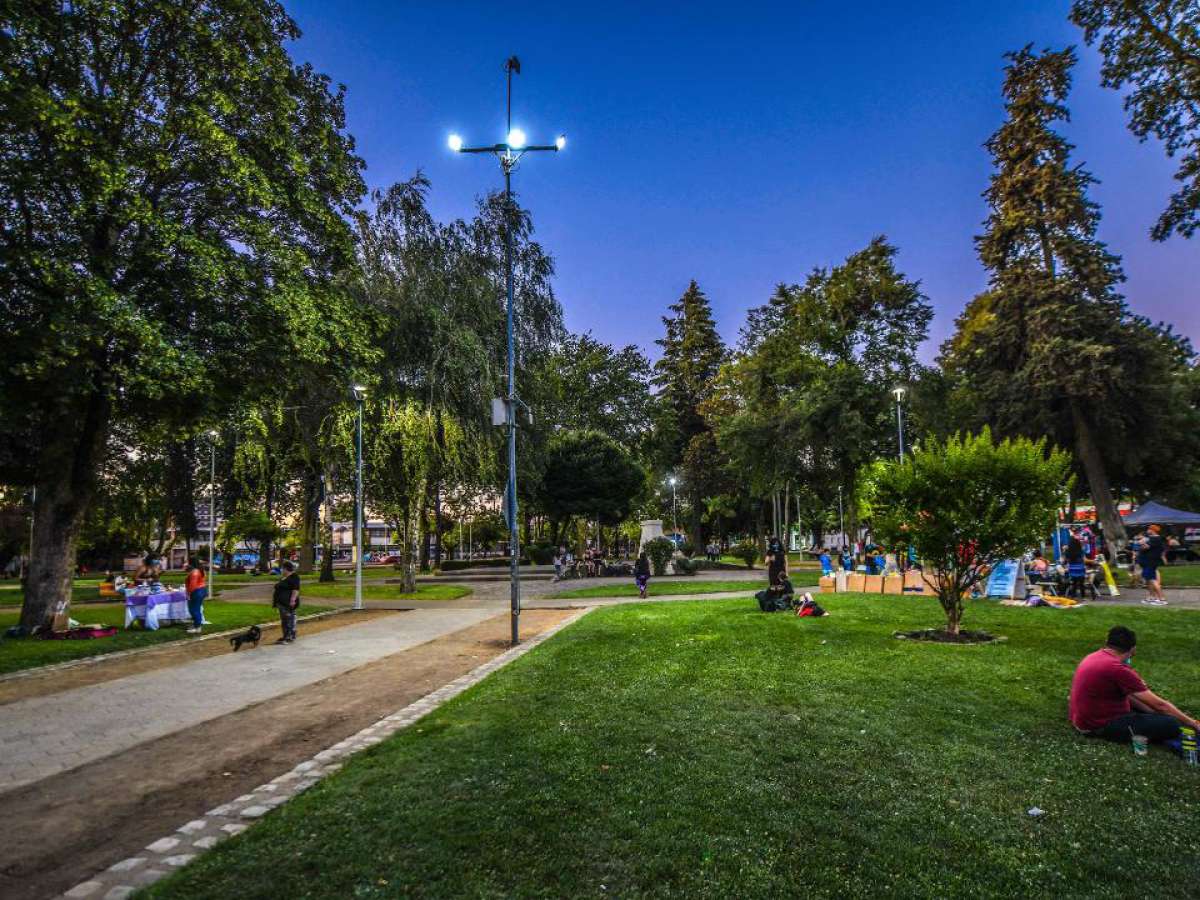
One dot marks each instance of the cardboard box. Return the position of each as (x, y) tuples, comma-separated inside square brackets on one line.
[(873, 584), (855, 582), (839, 582), (893, 584), (827, 585), (914, 582)]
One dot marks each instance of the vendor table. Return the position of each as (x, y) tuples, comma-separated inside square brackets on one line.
[(164, 608)]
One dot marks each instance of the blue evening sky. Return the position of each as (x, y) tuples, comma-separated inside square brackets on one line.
[(739, 144)]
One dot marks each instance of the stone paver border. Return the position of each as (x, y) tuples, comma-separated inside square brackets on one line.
[(166, 647), (122, 879)]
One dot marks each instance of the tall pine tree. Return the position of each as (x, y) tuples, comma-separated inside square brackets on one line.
[(1051, 348), (692, 355)]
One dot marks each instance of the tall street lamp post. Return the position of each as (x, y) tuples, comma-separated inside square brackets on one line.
[(360, 394), (898, 393), (509, 154), (674, 514), (212, 508)]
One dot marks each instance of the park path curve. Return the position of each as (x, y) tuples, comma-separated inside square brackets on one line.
[(45, 736)]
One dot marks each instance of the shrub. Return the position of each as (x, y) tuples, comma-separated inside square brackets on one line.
[(660, 550), (542, 553), (968, 504), (687, 548), (685, 566), (746, 551)]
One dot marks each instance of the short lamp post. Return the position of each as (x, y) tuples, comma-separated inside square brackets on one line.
[(898, 393), (360, 394), (509, 153)]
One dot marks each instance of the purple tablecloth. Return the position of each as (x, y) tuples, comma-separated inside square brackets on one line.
[(164, 608)]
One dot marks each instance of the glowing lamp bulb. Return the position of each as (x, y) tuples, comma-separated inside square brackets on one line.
[(516, 139), (560, 141), (455, 142)]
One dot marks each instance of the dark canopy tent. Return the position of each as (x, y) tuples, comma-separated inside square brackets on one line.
[(1151, 513)]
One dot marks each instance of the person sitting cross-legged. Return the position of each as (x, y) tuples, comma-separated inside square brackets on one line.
[(1110, 700)]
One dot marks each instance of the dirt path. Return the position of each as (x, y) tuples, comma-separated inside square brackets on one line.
[(59, 831)]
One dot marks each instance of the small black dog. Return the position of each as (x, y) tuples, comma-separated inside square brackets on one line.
[(252, 635)]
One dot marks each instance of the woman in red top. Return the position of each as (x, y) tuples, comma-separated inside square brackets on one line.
[(197, 590)]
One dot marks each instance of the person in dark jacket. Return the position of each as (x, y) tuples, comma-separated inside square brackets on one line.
[(776, 562), (641, 574), (286, 598)]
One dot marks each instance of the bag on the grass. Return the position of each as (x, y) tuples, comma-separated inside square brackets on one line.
[(773, 601)]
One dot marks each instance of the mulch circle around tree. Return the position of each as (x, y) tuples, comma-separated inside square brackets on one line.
[(939, 636)]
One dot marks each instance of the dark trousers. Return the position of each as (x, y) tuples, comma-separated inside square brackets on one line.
[(1156, 727), (287, 621), (196, 605)]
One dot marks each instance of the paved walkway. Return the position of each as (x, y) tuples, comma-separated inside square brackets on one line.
[(45, 736)]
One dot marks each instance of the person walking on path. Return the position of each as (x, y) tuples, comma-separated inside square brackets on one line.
[(1149, 558), (776, 562), (286, 599), (197, 591), (641, 574)]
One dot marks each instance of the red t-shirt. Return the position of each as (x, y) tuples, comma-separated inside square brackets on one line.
[(1100, 690), (195, 579)]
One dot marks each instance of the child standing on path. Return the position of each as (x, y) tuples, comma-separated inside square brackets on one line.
[(286, 599), (197, 590)]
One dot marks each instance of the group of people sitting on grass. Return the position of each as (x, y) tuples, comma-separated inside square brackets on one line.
[(1110, 700)]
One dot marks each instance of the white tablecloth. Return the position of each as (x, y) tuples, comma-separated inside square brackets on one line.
[(154, 610)]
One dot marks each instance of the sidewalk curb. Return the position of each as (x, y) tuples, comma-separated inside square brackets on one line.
[(192, 838), (160, 648)]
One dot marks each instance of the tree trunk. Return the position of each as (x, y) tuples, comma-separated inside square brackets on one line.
[(412, 541), (310, 513), (71, 451), (1097, 476)]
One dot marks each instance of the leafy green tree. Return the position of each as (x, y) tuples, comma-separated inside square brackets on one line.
[(1153, 48), (808, 399), (965, 505), (585, 383), (692, 354), (1051, 348), (588, 475), (172, 185)]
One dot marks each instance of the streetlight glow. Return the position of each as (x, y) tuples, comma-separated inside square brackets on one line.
[(560, 142), (455, 142), (516, 139)]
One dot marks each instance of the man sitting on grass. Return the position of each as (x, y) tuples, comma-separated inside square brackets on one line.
[(1109, 699)]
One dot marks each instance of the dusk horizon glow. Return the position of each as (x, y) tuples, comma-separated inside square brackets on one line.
[(740, 148)]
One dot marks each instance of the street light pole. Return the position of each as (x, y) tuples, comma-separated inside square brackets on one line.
[(898, 393), (674, 511), (509, 154), (360, 394), (212, 510)]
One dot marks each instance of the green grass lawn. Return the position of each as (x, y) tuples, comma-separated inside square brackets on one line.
[(1185, 575), (660, 588), (343, 589), (25, 653), (707, 749)]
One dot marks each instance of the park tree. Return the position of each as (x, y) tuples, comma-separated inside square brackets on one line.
[(1051, 348), (172, 185), (1152, 49), (583, 383), (692, 354), (807, 400), (588, 475), (965, 505)]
